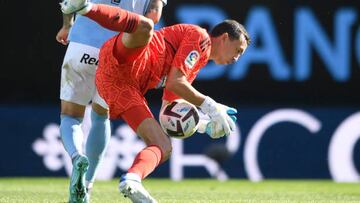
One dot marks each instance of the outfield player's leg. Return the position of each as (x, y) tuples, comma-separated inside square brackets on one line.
[(77, 89), (75, 94), (72, 138), (70, 130), (97, 140)]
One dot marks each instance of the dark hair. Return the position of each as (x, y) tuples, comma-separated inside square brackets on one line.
[(233, 28)]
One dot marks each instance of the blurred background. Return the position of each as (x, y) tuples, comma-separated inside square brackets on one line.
[(296, 89)]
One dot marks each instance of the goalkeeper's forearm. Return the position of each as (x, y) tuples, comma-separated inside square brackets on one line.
[(184, 90), (178, 84)]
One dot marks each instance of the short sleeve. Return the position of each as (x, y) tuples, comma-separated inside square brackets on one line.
[(169, 95), (192, 54), (189, 53)]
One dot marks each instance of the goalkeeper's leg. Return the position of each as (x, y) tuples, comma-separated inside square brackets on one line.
[(158, 150)]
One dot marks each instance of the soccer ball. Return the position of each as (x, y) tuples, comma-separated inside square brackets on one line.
[(179, 119)]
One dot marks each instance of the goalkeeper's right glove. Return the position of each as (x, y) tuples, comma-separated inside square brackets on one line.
[(206, 126), (221, 123), (230, 111)]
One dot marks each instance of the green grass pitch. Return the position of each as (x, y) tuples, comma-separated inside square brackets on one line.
[(38, 190)]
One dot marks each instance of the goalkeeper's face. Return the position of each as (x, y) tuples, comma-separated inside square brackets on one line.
[(230, 50)]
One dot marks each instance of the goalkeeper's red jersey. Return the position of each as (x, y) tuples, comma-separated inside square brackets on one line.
[(183, 46)]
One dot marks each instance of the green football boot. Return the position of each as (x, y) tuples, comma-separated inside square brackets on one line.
[(78, 192)]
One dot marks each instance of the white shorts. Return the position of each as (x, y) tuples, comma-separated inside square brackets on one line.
[(78, 75)]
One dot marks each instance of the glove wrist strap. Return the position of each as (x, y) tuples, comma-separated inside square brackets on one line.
[(208, 106)]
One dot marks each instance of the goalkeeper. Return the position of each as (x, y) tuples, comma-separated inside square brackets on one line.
[(140, 59)]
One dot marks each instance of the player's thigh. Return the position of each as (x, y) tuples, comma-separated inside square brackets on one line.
[(78, 74), (141, 120), (124, 55)]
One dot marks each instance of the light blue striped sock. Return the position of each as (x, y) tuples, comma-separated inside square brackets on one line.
[(71, 135), (97, 141)]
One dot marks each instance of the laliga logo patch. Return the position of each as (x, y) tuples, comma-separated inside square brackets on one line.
[(191, 59)]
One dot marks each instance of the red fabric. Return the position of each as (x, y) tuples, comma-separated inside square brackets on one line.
[(126, 55), (114, 18), (194, 47), (124, 75), (192, 52), (146, 161), (134, 116), (118, 84), (169, 95)]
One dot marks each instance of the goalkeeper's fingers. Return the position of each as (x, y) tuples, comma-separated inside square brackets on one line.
[(231, 111), (227, 126), (234, 118), (231, 121)]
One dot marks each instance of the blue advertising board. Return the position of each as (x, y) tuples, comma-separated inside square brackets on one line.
[(269, 142)]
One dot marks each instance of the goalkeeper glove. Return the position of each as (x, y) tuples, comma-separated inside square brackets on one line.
[(222, 118), (230, 111)]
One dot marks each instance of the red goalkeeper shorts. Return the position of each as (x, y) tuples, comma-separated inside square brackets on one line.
[(121, 84)]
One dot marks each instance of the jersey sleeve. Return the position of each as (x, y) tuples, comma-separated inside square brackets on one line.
[(169, 95), (191, 50), (191, 55)]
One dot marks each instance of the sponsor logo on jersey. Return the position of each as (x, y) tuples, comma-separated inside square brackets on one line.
[(192, 58), (117, 2), (87, 59)]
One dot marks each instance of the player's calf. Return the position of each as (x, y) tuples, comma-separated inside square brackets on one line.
[(138, 30), (112, 18), (153, 135)]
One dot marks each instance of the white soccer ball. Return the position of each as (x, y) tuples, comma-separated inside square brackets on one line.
[(179, 119)]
